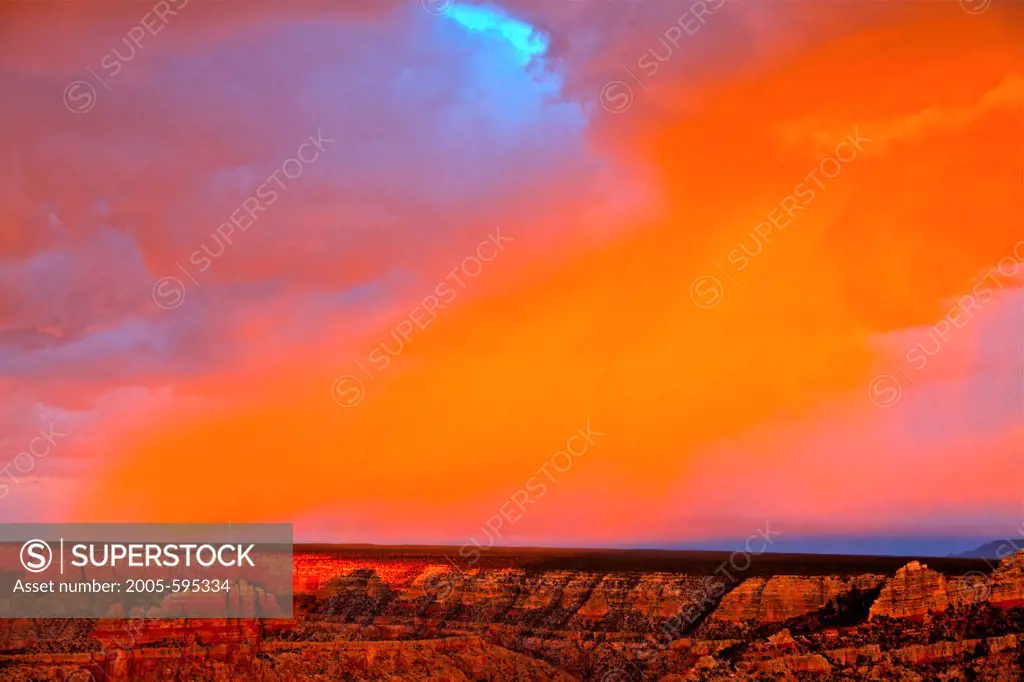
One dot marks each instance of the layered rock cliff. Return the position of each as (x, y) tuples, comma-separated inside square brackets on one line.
[(395, 619), (780, 598), (1007, 582), (916, 590)]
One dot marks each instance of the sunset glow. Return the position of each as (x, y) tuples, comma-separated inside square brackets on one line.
[(764, 260)]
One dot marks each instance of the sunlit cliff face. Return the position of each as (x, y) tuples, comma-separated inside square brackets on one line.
[(771, 254)]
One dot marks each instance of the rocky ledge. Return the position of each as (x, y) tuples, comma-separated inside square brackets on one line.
[(396, 619)]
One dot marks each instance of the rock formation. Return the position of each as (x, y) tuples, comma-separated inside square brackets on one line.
[(914, 591), (783, 597), (1007, 582), (421, 619)]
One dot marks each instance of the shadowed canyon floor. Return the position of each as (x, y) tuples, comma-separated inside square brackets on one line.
[(422, 614)]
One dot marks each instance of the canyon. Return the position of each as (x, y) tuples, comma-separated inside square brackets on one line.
[(413, 614)]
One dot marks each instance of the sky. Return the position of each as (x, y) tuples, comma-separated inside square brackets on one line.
[(565, 273)]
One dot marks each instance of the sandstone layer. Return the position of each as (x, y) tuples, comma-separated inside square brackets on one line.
[(425, 619)]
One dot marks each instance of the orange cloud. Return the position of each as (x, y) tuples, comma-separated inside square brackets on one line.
[(483, 396)]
